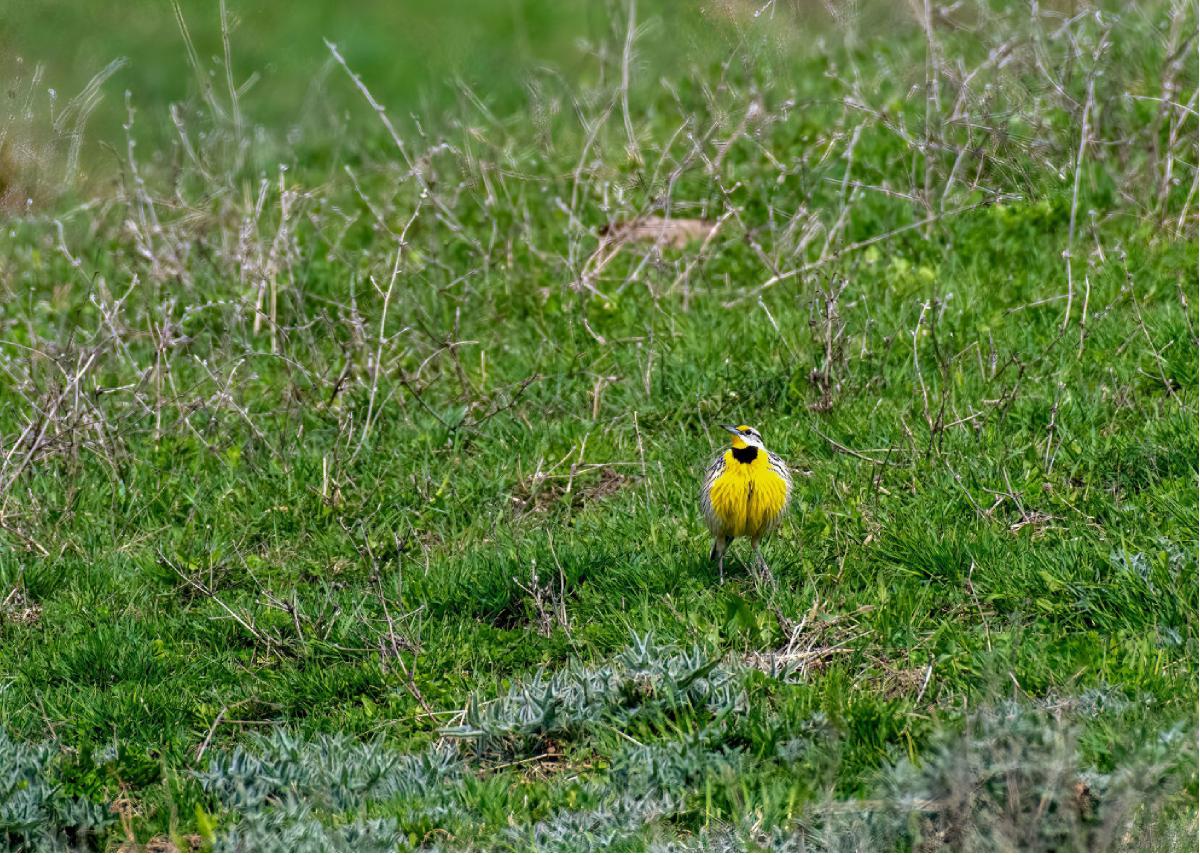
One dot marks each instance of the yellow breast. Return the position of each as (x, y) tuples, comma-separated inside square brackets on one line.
[(748, 498)]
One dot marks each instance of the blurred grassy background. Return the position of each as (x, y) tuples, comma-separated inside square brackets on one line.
[(400, 47), (412, 54)]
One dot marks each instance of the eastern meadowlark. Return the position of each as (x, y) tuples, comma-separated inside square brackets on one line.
[(745, 493)]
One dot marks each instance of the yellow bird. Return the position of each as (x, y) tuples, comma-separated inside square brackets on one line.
[(745, 493)]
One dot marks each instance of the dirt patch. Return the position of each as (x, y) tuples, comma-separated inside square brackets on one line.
[(814, 641), (905, 682), (19, 609), (543, 766), (540, 492)]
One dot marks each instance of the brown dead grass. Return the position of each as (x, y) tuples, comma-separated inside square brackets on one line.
[(539, 492), (814, 641), (17, 608), (162, 843), (659, 231)]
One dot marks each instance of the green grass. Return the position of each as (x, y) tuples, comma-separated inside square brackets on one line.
[(362, 515)]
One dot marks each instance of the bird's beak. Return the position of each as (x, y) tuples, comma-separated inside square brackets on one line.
[(733, 430)]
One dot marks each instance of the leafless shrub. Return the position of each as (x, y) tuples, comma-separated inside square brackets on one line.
[(828, 330), (548, 599)]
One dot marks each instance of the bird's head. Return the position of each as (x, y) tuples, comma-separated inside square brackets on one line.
[(744, 436)]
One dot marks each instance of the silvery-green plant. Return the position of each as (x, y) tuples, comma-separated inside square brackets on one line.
[(288, 793), (646, 785), (35, 813), (669, 770), (329, 771), (1013, 777), (620, 823), (295, 831), (644, 679)]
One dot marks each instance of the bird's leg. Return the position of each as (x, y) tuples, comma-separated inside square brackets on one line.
[(761, 565), (720, 544)]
